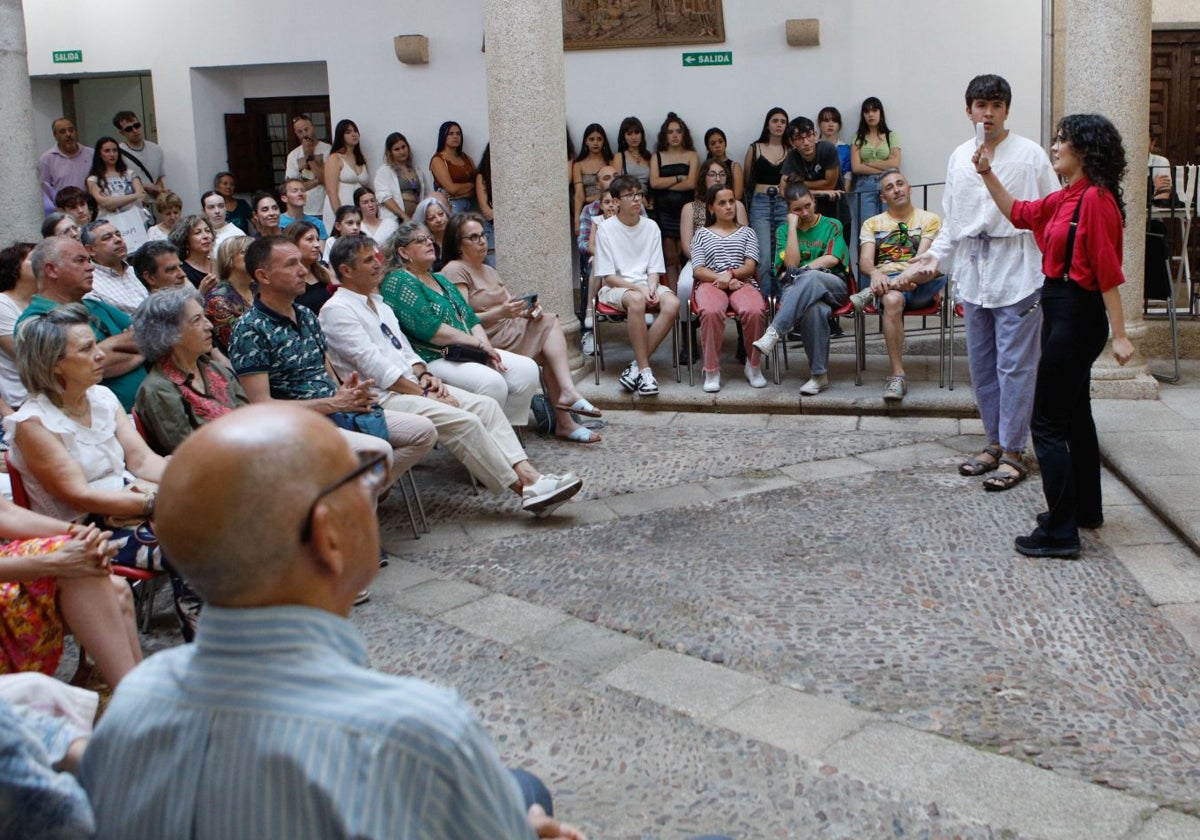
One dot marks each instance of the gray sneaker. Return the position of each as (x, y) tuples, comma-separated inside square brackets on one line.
[(861, 300), (629, 379), (895, 388)]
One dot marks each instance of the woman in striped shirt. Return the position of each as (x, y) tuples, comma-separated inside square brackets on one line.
[(724, 260)]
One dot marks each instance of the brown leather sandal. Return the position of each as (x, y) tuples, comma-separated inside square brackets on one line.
[(1006, 480), (975, 465)]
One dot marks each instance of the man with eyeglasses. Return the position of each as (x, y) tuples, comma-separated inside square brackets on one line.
[(365, 337), (271, 724), (145, 158), (307, 162), (629, 258), (888, 242)]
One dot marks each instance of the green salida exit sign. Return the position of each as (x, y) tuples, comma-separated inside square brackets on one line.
[(707, 59), (68, 56)]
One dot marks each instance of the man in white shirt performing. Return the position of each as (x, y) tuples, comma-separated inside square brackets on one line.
[(307, 162), (997, 272), (364, 336), (629, 258)]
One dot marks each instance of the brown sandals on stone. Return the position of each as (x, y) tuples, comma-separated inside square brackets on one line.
[(1006, 480), (975, 465)]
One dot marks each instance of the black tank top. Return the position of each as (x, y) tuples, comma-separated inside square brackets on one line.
[(764, 172)]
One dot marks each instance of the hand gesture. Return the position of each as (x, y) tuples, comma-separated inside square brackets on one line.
[(792, 220), (354, 395), (512, 308), (207, 284), (982, 159), (87, 553)]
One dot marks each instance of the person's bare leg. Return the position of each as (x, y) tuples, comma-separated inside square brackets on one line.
[(671, 261), (526, 475), (668, 308), (94, 612), (635, 322), (893, 330)]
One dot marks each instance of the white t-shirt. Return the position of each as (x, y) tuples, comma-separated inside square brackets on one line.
[(314, 204), (150, 155), (632, 251), (10, 382)]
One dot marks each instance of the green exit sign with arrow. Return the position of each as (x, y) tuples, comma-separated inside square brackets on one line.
[(707, 59)]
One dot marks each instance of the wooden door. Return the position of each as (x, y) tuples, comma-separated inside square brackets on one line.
[(1175, 94), (259, 140)]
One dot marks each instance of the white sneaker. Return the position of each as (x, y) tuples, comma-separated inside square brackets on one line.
[(587, 322), (754, 377), (712, 381), (629, 378), (766, 344), (550, 491), (647, 384), (815, 385), (588, 343), (362, 597)]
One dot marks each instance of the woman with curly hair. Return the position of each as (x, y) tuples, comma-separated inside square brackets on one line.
[(1079, 230)]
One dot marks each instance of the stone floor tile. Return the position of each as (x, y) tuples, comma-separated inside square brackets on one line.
[(1002, 792), (940, 426), (437, 596), (794, 721), (1169, 825), (647, 501), (813, 422), (1185, 618), (970, 426), (502, 619), (1136, 416), (1169, 572), (965, 444), (713, 419), (833, 468), (685, 684), (583, 646), (402, 574), (1130, 525), (742, 485), (902, 457)]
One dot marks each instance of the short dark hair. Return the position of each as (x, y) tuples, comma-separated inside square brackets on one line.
[(123, 116), (346, 250), (258, 255), (69, 197), (799, 125), (145, 259), (989, 86), (259, 196), (88, 234), (622, 183), (11, 259), (795, 190)]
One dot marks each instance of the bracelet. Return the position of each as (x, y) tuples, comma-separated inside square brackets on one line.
[(984, 172)]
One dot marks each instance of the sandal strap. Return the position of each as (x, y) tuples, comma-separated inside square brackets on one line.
[(1021, 469)]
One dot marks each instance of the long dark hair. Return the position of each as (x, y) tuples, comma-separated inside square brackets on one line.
[(871, 103), (1100, 148), (662, 133), (702, 172), (443, 130), (710, 195), (339, 143), (484, 170), (594, 128), (764, 136), (295, 232), (622, 146), (98, 165)]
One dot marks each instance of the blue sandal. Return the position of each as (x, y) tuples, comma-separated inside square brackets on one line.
[(580, 406)]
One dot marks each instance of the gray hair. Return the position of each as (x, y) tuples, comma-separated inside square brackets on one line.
[(423, 207), (158, 320), (41, 344), (88, 234), (402, 238), (346, 249), (49, 250)]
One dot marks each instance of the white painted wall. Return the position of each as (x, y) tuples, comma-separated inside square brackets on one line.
[(1175, 14), (917, 60)]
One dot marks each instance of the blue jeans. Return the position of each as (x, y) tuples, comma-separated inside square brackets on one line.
[(459, 205), (865, 202), (767, 213)]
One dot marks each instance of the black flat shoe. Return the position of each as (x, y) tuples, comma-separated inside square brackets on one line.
[(1035, 545)]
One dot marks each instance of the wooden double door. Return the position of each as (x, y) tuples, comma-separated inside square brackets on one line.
[(1175, 94)]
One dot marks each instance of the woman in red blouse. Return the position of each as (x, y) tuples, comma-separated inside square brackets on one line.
[(1079, 229)]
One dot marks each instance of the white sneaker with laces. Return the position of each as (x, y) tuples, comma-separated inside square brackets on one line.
[(712, 381), (647, 384), (629, 378), (588, 343), (754, 377), (766, 344), (550, 491), (815, 385)]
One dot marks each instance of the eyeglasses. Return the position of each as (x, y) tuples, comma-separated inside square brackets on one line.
[(391, 336), (633, 196), (474, 238), (420, 240), (373, 471)]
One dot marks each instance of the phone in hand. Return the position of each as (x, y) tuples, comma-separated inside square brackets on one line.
[(530, 301)]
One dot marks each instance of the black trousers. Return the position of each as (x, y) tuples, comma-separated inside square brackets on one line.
[(1074, 331)]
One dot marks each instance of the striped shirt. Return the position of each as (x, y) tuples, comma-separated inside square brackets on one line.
[(270, 725), (721, 253)]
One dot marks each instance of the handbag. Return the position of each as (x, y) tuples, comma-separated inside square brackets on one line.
[(466, 353), (367, 422)]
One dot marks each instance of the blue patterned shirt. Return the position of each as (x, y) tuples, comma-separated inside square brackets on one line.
[(291, 353), (271, 725)]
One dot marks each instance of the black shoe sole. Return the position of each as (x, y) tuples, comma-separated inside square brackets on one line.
[(1063, 552)]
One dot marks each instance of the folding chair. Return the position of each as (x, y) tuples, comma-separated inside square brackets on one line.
[(1160, 285), (614, 315), (860, 338)]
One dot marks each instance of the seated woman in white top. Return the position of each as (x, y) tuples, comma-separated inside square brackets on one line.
[(374, 226), (168, 207)]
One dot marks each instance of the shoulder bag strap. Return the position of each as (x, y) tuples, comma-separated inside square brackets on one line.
[(130, 156), (1066, 275)]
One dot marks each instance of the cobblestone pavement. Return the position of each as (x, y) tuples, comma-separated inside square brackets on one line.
[(840, 559), (785, 626)]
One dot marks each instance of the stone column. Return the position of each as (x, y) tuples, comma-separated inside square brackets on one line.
[(20, 195), (527, 126), (1108, 72)]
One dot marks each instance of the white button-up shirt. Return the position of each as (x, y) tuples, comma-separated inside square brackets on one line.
[(357, 341)]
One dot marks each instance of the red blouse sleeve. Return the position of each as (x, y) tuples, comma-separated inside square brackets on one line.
[(1101, 238)]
